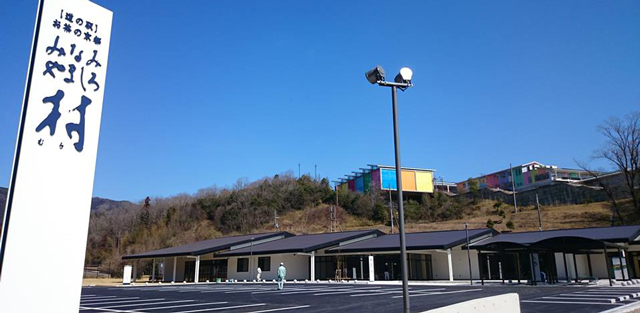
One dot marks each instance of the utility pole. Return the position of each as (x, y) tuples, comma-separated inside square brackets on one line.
[(331, 218), (513, 188), (539, 215), (315, 171), (298, 170), (275, 219)]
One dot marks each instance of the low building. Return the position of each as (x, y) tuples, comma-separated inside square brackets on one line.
[(304, 256), (434, 255), (197, 261), (383, 177), (572, 255), (523, 177)]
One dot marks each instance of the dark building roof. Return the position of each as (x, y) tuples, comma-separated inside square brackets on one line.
[(206, 246), (414, 241), (302, 243), (619, 234)]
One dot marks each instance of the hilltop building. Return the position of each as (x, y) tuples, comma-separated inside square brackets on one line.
[(383, 177), (526, 176)]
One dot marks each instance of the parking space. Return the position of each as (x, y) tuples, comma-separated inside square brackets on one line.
[(244, 298)]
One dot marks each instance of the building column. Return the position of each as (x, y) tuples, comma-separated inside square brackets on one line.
[(175, 262), (196, 279), (606, 261), (371, 269), (153, 271), (135, 272), (312, 275), (575, 267), (450, 263)]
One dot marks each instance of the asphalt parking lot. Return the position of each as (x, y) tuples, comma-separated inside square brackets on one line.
[(349, 297)]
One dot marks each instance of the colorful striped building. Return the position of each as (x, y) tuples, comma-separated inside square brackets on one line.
[(525, 176), (382, 177)]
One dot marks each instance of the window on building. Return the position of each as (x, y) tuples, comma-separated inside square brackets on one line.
[(264, 263), (243, 265)]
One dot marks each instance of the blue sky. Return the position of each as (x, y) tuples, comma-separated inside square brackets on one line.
[(201, 93)]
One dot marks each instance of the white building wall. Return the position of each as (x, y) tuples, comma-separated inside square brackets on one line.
[(168, 277), (461, 264), (297, 267), (439, 265), (598, 266)]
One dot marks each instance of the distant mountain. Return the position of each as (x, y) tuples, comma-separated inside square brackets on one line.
[(97, 204), (102, 204)]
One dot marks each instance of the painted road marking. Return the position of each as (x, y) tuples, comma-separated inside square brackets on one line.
[(103, 297), (568, 302), (438, 293), (105, 310), (281, 309), (114, 299), (224, 308), (125, 301), (184, 305), (144, 304), (588, 299)]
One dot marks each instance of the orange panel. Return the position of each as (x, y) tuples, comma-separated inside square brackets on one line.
[(409, 180)]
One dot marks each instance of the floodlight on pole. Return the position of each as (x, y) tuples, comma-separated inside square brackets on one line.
[(402, 81), (375, 75)]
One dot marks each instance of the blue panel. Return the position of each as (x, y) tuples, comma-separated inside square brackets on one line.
[(359, 184), (388, 179)]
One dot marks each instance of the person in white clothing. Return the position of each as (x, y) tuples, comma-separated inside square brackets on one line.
[(258, 275)]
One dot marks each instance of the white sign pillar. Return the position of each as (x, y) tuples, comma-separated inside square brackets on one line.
[(126, 275), (49, 197)]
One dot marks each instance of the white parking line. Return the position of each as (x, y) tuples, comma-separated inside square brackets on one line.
[(586, 299), (437, 293), (224, 308), (103, 297), (125, 301), (145, 304), (280, 291), (314, 290), (184, 305), (219, 290), (281, 309), (569, 302), (578, 295), (376, 294), (247, 290), (325, 293), (110, 299), (105, 310)]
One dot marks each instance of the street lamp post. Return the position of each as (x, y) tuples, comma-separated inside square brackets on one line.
[(402, 81), (466, 231)]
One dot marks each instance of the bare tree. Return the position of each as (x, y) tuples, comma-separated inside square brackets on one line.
[(622, 148), (597, 175)]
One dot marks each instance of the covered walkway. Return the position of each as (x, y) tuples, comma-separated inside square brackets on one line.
[(547, 256)]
